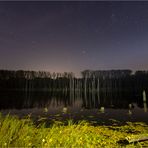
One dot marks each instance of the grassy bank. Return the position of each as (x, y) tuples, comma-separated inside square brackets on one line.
[(16, 132)]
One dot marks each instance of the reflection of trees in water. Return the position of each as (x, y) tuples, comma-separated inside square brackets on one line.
[(112, 88), (34, 99), (112, 99), (21, 100)]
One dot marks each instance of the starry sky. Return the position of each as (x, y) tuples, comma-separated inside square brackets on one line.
[(73, 36)]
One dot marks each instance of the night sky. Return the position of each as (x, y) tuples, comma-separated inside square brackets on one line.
[(73, 36)]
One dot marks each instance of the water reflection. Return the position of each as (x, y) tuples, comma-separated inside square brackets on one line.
[(113, 99), (99, 107)]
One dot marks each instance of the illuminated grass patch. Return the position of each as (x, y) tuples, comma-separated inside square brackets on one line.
[(16, 132)]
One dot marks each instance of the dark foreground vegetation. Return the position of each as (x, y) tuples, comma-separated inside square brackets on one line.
[(91, 81), (16, 132)]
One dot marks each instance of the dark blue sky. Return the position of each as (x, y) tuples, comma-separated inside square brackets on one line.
[(73, 36)]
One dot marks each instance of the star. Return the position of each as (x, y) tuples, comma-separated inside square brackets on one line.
[(113, 15), (83, 51), (113, 18)]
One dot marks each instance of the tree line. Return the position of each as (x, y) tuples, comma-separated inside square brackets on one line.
[(91, 81)]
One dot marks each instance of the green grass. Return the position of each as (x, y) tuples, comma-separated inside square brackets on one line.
[(16, 132)]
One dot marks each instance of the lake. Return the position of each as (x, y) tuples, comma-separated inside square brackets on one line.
[(97, 107)]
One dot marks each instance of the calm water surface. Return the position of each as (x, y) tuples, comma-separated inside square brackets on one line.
[(96, 107)]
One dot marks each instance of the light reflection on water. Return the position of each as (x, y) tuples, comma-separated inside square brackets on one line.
[(78, 106)]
